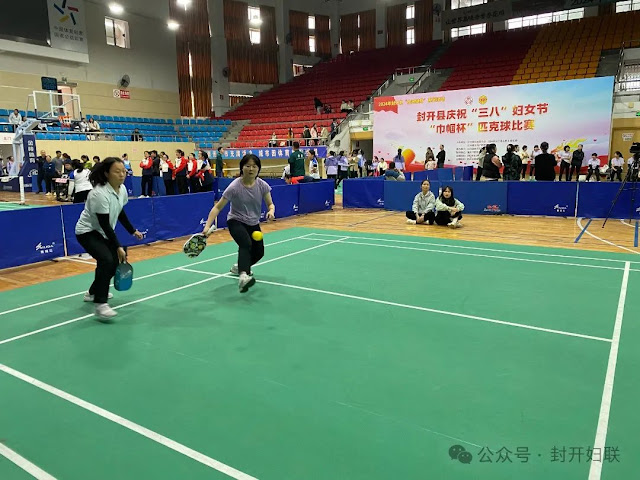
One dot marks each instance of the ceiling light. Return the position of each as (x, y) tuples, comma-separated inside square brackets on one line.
[(116, 8), (173, 25)]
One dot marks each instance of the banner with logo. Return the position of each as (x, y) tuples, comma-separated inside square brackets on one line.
[(552, 199), (181, 215), (32, 235), (67, 26), (29, 170), (365, 192), (316, 196), (569, 112)]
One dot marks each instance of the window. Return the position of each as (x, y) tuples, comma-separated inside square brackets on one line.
[(627, 6), (117, 32), (544, 18), (312, 44), (312, 22), (410, 36), (465, 3), (411, 12), (254, 13), (478, 29), (254, 35)]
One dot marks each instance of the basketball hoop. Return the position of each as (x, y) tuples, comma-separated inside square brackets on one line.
[(65, 120)]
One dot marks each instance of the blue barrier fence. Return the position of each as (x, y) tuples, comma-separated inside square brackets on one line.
[(45, 233), (563, 199)]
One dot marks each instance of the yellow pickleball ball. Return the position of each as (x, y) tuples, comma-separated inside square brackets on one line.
[(257, 235)]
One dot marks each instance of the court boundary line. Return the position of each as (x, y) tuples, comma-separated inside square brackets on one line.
[(579, 223), (466, 247), (415, 307), (63, 297), (150, 297), (130, 425), (24, 464), (499, 257), (595, 470)]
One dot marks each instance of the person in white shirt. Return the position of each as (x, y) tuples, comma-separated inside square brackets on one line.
[(81, 184), (565, 162), (536, 151), (616, 167), (95, 230), (93, 126), (313, 164), (399, 160), (15, 118), (13, 167), (594, 167), (314, 134)]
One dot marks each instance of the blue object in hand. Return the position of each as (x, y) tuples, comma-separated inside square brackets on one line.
[(123, 277)]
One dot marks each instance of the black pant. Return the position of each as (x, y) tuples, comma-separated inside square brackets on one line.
[(48, 181), (342, 174), (80, 197), (147, 185), (106, 256), (249, 251), (524, 170), (592, 171), (575, 168), (478, 174), (428, 216), (182, 185), (39, 180), (532, 169), (206, 188), (333, 177), (194, 185), (443, 217), (170, 186), (564, 167), (616, 171)]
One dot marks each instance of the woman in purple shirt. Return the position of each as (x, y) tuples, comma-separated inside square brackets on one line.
[(245, 194)]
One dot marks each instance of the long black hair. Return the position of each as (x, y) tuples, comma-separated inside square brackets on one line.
[(77, 164), (245, 160), (99, 173), (449, 202)]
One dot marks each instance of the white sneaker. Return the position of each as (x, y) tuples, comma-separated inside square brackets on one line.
[(245, 282), (142, 196), (89, 298), (48, 194), (411, 222), (454, 222), (234, 269), (105, 312)]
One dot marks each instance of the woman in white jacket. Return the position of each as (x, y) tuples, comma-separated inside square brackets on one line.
[(423, 205), (448, 209)]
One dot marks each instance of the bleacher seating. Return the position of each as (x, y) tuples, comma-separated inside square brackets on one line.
[(569, 50), (204, 132), (488, 60), (346, 77)]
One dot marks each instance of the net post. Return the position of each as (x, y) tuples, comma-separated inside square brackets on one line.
[(21, 183)]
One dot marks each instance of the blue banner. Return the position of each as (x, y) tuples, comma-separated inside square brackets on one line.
[(286, 198), (431, 175), (70, 216), (31, 235), (481, 197), (29, 170), (265, 153), (363, 193), (399, 195), (554, 199), (444, 174), (180, 215), (595, 200), (316, 196)]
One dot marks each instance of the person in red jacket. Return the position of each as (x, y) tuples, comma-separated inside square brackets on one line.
[(180, 172), (147, 175), (192, 173), (205, 178)]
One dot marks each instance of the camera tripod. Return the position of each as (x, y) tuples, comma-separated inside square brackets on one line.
[(632, 178)]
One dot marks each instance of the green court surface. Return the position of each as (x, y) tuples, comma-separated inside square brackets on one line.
[(4, 206), (356, 356)]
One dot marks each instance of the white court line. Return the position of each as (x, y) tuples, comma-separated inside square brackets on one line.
[(464, 247), (415, 307), (579, 223), (627, 224), (595, 470), (79, 260), (150, 297), (530, 260), (128, 424), (24, 464), (44, 302)]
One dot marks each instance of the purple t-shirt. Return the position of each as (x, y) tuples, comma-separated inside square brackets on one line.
[(246, 202)]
